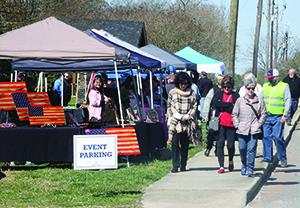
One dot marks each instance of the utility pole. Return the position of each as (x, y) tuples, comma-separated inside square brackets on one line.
[(233, 18), (272, 34), (286, 45), (268, 37), (276, 39), (257, 32)]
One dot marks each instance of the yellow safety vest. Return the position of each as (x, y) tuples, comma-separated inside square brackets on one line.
[(274, 97)]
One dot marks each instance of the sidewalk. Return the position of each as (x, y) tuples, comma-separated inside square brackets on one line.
[(201, 185)]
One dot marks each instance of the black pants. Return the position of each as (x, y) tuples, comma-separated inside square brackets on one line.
[(176, 150), (211, 137), (228, 133)]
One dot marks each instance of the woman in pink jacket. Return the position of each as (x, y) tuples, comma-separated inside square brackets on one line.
[(248, 115), (97, 100)]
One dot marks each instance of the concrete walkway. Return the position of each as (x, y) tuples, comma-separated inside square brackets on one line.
[(202, 186)]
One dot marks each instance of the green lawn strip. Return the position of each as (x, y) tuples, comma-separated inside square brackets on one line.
[(59, 186)]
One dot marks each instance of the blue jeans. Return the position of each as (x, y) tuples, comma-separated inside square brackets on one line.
[(273, 130), (293, 108), (201, 107), (247, 147)]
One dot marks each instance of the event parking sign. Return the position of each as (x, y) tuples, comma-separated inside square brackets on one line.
[(95, 152)]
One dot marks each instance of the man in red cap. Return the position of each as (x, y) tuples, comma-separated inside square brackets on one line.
[(277, 98)]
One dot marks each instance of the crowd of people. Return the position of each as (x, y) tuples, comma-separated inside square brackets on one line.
[(253, 112), (245, 115)]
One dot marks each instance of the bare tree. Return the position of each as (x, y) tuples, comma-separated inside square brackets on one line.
[(15, 13), (204, 27)]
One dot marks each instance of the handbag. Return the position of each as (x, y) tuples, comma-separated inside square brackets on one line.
[(260, 135), (214, 123)]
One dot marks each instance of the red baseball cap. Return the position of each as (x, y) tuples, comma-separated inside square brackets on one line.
[(272, 73)]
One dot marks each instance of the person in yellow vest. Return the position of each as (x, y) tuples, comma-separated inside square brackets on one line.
[(277, 98)]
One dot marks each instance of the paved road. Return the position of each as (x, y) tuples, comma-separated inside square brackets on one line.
[(283, 187)]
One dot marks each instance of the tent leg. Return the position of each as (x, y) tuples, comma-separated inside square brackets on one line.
[(127, 158), (119, 94)]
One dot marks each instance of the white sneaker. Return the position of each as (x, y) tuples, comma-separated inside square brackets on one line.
[(283, 163), (29, 163)]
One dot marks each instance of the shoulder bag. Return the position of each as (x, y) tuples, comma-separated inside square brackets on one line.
[(214, 123), (260, 135)]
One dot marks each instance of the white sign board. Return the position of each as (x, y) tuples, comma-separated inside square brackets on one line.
[(95, 152)]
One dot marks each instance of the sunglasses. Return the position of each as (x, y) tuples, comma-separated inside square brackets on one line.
[(184, 83), (250, 88), (227, 87)]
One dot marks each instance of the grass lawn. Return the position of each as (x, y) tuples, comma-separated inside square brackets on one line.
[(58, 185), (72, 102)]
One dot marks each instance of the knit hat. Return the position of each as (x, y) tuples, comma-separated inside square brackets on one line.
[(249, 79)]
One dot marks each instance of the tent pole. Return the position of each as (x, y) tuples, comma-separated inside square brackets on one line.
[(38, 89), (16, 74), (161, 101), (142, 95), (46, 83), (41, 81), (88, 88), (119, 94), (151, 90), (11, 77), (135, 87), (165, 77), (62, 90), (138, 84)]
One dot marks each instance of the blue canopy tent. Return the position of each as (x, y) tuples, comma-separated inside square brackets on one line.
[(175, 62), (146, 60), (204, 63), (75, 66)]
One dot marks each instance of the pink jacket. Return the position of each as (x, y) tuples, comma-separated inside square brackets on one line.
[(244, 118), (95, 108)]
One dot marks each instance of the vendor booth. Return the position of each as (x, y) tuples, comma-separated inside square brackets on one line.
[(52, 45)]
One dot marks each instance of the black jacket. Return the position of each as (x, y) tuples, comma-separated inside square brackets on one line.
[(205, 85), (294, 85), (221, 106)]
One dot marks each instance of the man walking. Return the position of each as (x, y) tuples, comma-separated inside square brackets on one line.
[(294, 83), (277, 98), (67, 90), (205, 85)]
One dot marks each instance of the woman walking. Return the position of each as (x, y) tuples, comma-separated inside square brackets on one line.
[(223, 102), (208, 112), (182, 107), (248, 116)]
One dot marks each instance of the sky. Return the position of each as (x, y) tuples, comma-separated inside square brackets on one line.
[(247, 23)]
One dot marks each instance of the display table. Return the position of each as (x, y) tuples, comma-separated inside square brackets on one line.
[(49, 144), (150, 136), (37, 144)]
